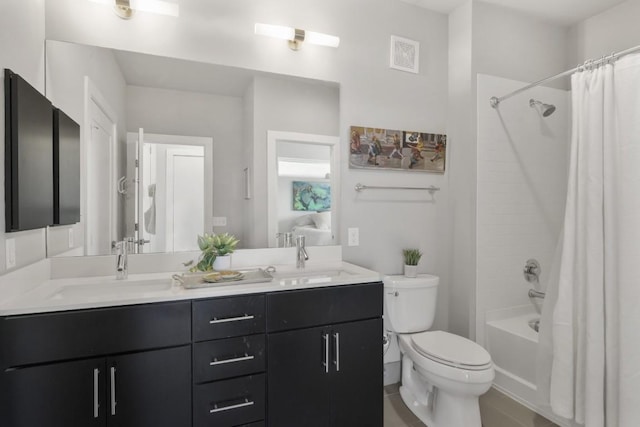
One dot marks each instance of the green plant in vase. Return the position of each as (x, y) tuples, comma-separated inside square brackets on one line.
[(411, 256), (212, 246), (411, 260)]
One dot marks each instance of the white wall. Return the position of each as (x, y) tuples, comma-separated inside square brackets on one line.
[(286, 106), (508, 43), (522, 179), (22, 51), (67, 65), (461, 228), (611, 31), (491, 39), (172, 112)]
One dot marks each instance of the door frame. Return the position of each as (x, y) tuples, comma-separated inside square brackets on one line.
[(333, 142), (203, 141), (92, 95)]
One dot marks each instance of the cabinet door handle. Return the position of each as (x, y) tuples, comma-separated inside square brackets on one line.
[(231, 319), (336, 337), (113, 390), (325, 362), (96, 394), (246, 402), (235, 359)]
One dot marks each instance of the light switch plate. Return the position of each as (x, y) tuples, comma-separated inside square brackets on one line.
[(10, 253), (353, 236), (219, 221)]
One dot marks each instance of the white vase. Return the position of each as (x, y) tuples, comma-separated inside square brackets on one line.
[(222, 262), (411, 270)]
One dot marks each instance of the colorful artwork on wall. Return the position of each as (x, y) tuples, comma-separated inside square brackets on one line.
[(311, 196), (389, 149)]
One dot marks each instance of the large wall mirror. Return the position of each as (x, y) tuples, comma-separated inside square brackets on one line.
[(174, 148)]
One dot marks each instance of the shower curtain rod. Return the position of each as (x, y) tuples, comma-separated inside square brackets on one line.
[(495, 101)]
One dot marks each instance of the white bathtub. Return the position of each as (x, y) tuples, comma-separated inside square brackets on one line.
[(513, 344)]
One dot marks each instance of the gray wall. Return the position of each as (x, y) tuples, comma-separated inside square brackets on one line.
[(22, 51), (219, 117), (287, 106), (67, 64)]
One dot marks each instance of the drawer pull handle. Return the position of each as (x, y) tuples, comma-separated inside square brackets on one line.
[(246, 402), (336, 337), (113, 391), (231, 319), (236, 359), (96, 394), (325, 362)]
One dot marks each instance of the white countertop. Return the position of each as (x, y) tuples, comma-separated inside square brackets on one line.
[(104, 291)]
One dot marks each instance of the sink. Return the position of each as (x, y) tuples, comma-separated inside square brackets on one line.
[(102, 289), (309, 276)]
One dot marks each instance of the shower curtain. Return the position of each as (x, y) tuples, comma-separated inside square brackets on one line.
[(590, 330)]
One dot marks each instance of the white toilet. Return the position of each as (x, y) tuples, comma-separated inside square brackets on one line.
[(443, 375)]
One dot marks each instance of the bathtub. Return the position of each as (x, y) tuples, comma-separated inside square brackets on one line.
[(513, 344)]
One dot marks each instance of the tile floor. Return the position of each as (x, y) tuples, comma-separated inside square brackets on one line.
[(497, 409)]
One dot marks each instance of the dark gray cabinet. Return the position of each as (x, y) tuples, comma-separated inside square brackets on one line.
[(229, 361), (102, 367), (292, 358), (57, 395), (325, 357)]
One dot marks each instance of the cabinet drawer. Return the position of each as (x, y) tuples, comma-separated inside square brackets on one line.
[(314, 307), (228, 317), (49, 337), (229, 403), (232, 357)]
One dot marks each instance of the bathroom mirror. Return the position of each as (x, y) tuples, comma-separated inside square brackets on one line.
[(117, 97)]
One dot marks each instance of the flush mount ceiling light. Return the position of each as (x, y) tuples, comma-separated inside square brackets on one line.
[(126, 8), (296, 36)]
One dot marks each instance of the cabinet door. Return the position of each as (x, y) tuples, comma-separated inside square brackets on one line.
[(150, 389), (58, 395), (298, 382), (356, 374)]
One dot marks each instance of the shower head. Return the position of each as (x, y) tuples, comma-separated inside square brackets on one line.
[(546, 109)]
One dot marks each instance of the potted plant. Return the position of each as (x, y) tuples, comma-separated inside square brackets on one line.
[(411, 260), (216, 251)]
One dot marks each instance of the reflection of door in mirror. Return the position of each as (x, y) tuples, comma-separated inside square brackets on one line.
[(172, 195), (100, 228), (303, 175)]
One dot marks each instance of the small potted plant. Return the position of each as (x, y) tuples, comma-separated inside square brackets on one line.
[(216, 251), (411, 260)]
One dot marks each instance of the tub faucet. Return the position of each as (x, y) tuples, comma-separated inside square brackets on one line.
[(301, 252), (121, 260), (536, 294)]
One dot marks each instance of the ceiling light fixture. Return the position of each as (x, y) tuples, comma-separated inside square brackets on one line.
[(126, 8), (296, 36)]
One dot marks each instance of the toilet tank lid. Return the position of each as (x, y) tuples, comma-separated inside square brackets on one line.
[(400, 281)]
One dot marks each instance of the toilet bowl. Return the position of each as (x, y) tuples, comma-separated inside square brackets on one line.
[(443, 374)]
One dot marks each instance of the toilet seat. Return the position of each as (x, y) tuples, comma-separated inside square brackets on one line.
[(451, 350)]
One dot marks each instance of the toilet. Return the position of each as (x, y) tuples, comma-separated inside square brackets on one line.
[(443, 374)]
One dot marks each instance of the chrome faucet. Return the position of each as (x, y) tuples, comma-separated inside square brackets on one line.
[(536, 294), (301, 252), (121, 260)]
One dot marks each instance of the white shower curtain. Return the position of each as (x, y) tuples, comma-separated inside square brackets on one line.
[(592, 329)]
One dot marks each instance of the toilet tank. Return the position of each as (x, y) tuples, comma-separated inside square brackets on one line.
[(410, 303)]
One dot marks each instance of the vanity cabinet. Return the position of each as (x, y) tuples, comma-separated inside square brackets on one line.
[(325, 357), (229, 362), (309, 357), (122, 366)]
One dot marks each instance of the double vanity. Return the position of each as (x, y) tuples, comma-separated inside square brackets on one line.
[(301, 350)]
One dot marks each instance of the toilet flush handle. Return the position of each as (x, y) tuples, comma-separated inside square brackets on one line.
[(394, 293)]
